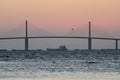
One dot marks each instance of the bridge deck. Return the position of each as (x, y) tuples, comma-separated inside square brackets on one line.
[(74, 37)]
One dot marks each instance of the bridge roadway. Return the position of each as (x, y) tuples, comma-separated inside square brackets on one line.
[(74, 37), (65, 37)]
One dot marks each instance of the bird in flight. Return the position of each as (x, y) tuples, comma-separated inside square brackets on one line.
[(73, 29)]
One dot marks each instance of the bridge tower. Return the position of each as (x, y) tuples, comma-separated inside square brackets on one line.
[(89, 38), (26, 35)]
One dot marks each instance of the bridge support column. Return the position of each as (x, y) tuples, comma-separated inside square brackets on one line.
[(26, 44), (26, 36), (89, 39), (89, 44), (116, 44)]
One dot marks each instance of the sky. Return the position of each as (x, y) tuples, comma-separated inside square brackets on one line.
[(59, 17)]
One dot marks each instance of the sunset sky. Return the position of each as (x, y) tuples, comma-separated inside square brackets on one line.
[(60, 16)]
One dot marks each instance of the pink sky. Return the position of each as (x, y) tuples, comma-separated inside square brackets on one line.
[(60, 14)]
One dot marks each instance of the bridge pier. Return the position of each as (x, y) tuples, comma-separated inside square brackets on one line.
[(89, 38), (26, 36), (116, 44), (89, 44)]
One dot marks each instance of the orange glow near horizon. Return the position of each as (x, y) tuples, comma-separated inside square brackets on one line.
[(60, 14)]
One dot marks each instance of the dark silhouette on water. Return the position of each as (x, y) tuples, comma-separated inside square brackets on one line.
[(61, 48)]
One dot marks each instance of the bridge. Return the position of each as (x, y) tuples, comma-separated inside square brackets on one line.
[(89, 38)]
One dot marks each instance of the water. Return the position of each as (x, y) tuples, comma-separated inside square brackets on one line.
[(66, 69), (70, 67)]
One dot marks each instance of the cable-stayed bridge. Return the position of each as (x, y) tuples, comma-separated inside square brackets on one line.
[(89, 38)]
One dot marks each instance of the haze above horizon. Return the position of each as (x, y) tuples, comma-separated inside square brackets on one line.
[(60, 16)]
